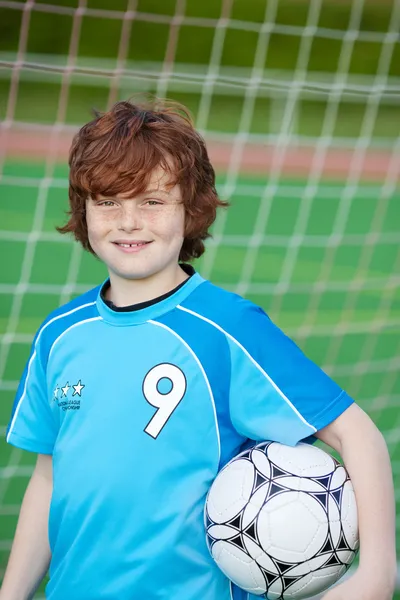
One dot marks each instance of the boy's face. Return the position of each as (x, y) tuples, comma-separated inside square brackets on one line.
[(138, 237)]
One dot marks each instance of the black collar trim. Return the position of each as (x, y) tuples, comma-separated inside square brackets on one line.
[(189, 270)]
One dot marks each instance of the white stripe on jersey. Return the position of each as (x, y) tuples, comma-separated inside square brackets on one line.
[(34, 355), (204, 375), (72, 327), (285, 398)]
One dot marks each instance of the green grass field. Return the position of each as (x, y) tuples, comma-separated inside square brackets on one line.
[(376, 386)]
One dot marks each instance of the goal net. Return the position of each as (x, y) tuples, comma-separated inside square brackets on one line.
[(299, 103)]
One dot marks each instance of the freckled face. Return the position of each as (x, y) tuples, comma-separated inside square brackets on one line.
[(138, 237)]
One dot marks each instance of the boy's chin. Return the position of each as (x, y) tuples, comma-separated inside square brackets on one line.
[(135, 275)]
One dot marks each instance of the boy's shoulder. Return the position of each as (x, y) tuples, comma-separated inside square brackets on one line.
[(221, 307), (82, 302), (79, 309)]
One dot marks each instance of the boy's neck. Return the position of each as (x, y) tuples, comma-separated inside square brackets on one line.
[(127, 292)]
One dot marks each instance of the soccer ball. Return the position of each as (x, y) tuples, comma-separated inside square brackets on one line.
[(281, 521)]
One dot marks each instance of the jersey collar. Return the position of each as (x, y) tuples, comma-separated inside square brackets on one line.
[(137, 317)]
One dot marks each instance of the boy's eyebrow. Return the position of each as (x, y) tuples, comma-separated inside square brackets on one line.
[(157, 191), (149, 191), (152, 191)]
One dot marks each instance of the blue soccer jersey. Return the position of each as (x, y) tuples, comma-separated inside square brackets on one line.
[(140, 410)]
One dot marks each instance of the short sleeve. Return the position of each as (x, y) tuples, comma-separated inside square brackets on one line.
[(276, 392), (32, 426)]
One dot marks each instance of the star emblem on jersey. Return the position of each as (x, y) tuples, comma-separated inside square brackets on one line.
[(65, 390), (78, 388), (68, 397)]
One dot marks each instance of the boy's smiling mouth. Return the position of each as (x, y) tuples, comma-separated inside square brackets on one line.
[(131, 245)]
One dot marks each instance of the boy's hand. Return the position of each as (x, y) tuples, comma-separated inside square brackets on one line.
[(361, 587)]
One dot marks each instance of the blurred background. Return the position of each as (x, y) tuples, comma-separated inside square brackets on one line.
[(299, 102)]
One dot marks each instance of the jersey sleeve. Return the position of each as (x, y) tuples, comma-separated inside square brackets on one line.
[(276, 392), (32, 425)]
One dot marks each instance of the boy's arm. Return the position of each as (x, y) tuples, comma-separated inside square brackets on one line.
[(363, 449), (30, 553)]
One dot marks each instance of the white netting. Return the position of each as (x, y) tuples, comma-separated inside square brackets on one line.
[(309, 157)]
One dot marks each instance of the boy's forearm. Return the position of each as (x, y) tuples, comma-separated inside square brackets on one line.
[(367, 461), (30, 553)]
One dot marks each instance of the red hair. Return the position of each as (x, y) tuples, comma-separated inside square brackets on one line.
[(117, 152)]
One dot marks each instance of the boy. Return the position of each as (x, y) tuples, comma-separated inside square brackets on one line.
[(137, 392)]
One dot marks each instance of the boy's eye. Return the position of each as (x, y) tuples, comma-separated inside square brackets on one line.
[(106, 203), (153, 202)]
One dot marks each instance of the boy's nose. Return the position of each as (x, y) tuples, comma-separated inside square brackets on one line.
[(130, 218)]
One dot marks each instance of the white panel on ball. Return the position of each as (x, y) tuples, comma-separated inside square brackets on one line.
[(303, 484), (231, 491), (261, 462), (302, 459), (338, 478), (335, 524), (349, 515), (311, 584), (254, 506), (262, 559), (222, 532), (345, 556), (239, 567), (292, 526)]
